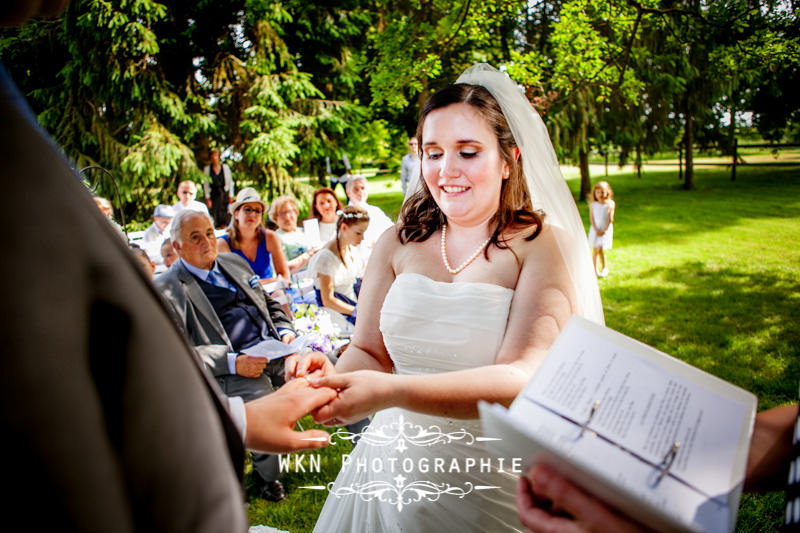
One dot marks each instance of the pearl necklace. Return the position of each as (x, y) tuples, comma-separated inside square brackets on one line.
[(467, 261)]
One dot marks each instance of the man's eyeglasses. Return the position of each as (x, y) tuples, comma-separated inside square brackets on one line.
[(250, 210)]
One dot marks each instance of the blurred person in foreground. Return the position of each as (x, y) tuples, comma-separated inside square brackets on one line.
[(105, 410)]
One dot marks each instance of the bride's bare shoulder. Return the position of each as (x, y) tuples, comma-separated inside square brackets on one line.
[(387, 247), (542, 248)]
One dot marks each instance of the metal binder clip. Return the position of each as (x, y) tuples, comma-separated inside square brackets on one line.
[(666, 462), (585, 425)]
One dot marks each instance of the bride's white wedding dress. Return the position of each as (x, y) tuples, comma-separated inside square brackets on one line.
[(429, 327)]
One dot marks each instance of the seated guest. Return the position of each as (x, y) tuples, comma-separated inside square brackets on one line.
[(283, 211), (144, 260), (378, 221), (168, 253), (324, 207), (156, 232), (247, 237), (104, 205), (187, 191), (223, 315), (336, 266)]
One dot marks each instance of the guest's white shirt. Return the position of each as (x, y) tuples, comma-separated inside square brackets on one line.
[(152, 240), (194, 205), (327, 231), (409, 174), (378, 223)]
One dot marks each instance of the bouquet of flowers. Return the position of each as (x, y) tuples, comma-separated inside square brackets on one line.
[(325, 333)]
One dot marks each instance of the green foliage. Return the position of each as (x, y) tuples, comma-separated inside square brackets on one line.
[(130, 96), (146, 88)]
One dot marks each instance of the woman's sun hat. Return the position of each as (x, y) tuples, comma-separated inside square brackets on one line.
[(248, 195)]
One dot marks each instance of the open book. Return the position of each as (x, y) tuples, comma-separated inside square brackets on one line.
[(661, 440)]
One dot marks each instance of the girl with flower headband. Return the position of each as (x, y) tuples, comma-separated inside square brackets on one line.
[(336, 267), (460, 304)]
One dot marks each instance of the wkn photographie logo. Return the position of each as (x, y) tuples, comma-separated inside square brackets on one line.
[(406, 463)]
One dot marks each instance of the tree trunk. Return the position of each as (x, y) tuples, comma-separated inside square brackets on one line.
[(639, 161), (688, 183), (732, 126), (734, 96), (586, 182)]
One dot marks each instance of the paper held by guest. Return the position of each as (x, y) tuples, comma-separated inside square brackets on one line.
[(275, 349), (311, 230), (661, 440)]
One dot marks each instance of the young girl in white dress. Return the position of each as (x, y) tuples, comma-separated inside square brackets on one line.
[(460, 303), (601, 217), (337, 266)]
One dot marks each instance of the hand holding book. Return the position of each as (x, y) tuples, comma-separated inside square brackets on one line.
[(548, 501), (659, 439)]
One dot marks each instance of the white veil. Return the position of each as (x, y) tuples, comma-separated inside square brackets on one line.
[(548, 190)]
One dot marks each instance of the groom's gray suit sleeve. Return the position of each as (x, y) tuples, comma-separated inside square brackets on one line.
[(103, 408)]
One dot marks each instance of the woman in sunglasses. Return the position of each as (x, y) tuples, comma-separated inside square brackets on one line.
[(248, 237)]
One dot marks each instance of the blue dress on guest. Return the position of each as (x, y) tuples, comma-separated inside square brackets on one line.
[(262, 266)]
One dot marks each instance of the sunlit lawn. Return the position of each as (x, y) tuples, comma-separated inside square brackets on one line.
[(710, 276)]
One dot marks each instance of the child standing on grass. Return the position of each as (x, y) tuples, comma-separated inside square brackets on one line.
[(601, 217)]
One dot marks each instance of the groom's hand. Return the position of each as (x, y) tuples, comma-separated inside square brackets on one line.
[(271, 419), (302, 365)]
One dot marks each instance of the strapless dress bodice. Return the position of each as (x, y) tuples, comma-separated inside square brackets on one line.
[(431, 326)]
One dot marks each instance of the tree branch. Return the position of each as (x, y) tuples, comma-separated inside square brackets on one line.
[(628, 47), (464, 15)]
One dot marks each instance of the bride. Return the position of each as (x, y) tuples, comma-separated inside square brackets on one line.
[(459, 304)]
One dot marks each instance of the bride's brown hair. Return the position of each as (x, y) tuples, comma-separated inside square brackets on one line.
[(420, 215)]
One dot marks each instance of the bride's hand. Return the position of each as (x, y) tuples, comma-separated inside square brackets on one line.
[(361, 393), (306, 364)]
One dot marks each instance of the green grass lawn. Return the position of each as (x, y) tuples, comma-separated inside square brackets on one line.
[(710, 276)]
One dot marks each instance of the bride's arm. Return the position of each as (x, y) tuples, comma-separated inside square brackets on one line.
[(366, 350), (542, 304)]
